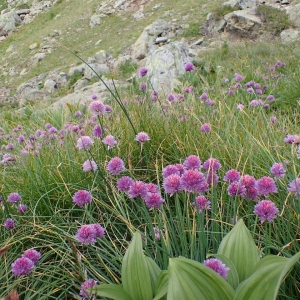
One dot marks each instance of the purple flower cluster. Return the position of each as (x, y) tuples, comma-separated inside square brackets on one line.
[(217, 265), (266, 210), (82, 197), (88, 234), (89, 165), (88, 284), (115, 166), (9, 224), (26, 263)]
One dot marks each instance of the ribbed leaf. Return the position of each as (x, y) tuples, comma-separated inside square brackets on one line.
[(161, 285), (154, 271), (135, 276), (265, 281), (189, 279), (233, 276), (112, 291), (238, 245)]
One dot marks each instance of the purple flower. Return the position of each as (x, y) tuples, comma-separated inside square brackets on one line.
[(138, 188), (211, 165), (88, 284), (193, 181), (22, 208), (217, 265), (205, 128), (204, 97), (22, 266), (87, 234), (153, 200), (97, 107), (171, 98), (236, 189), (100, 231), (192, 162), (124, 183), (254, 103), (294, 186), (273, 119), (189, 67), (10, 224), (110, 141), (240, 106), (250, 83), (142, 137), (266, 210), (172, 184), (13, 198), (152, 188), (97, 132), (212, 178), (248, 181), (82, 197), (258, 91), (143, 86), (202, 203), (115, 166), (250, 90), (156, 233), (21, 139), (143, 71), (210, 102), (77, 114), (84, 142), (238, 77), (271, 98), (277, 170), (289, 139), (89, 165), (33, 255), (172, 169), (265, 186), (231, 176)]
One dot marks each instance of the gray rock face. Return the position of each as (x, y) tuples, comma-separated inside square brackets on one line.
[(214, 25), (289, 36), (294, 14), (9, 20), (49, 86), (95, 20), (101, 69), (165, 64), (247, 4)]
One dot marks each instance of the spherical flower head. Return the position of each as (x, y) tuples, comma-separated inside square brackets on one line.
[(53, 130), (171, 98), (266, 210), (188, 67), (271, 98), (203, 96), (294, 186), (48, 126), (273, 120), (289, 139), (212, 178), (249, 83), (89, 165), (211, 165), (143, 86), (153, 200), (94, 96), (33, 255), (21, 139), (142, 137), (152, 188), (137, 189), (248, 181), (202, 204), (232, 175), (115, 166), (172, 184), (236, 189), (124, 183), (100, 231), (238, 86), (110, 141), (143, 72), (86, 234), (13, 198), (84, 142), (82, 197), (172, 169), (240, 106), (97, 107), (192, 162), (277, 170), (250, 90), (252, 193), (217, 265), (254, 103), (97, 132), (210, 102), (205, 128), (193, 181), (238, 77), (22, 266), (77, 114), (258, 91), (22, 208), (108, 108), (88, 284), (265, 186), (10, 224)]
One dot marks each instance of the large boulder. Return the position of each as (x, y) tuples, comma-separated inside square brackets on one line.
[(9, 20), (166, 64), (100, 69), (289, 36), (294, 14), (247, 4)]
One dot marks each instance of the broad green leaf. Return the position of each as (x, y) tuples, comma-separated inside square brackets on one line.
[(153, 270), (238, 245), (161, 285), (189, 279), (233, 276), (112, 291), (265, 281), (135, 276)]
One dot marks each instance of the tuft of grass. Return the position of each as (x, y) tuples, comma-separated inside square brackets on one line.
[(220, 11), (126, 69), (192, 31)]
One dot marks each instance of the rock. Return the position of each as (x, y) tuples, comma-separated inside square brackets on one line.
[(76, 70), (2, 38), (289, 36), (23, 72), (10, 49), (121, 60), (161, 39), (165, 64), (100, 69), (49, 86), (214, 24), (38, 57), (198, 42), (232, 3), (81, 83), (101, 57), (22, 11), (9, 20), (138, 15), (33, 46), (98, 43), (247, 4), (12, 71), (294, 14), (95, 20)]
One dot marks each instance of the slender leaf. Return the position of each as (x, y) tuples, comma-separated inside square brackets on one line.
[(189, 279), (265, 281), (233, 276), (161, 285), (113, 291), (154, 271), (135, 276), (238, 245)]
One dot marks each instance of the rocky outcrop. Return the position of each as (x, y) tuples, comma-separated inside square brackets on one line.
[(289, 36), (8, 21), (294, 14)]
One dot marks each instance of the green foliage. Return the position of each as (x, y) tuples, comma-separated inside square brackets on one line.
[(221, 10), (3, 4), (275, 20), (23, 6), (126, 69), (193, 30), (74, 78)]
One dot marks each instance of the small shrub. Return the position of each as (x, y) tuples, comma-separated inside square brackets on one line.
[(192, 31), (126, 69), (23, 6), (275, 20), (220, 11), (74, 78)]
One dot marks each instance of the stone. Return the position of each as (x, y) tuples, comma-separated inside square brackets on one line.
[(294, 14), (81, 83), (10, 49), (95, 20), (232, 3), (22, 11), (161, 39), (39, 56), (214, 24), (166, 64), (33, 46), (100, 69), (2, 38), (98, 43), (49, 86), (23, 72), (78, 69), (9, 20), (101, 57), (247, 4), (289, 36)]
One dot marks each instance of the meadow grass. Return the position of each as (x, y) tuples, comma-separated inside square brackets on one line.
[(242, 139)]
